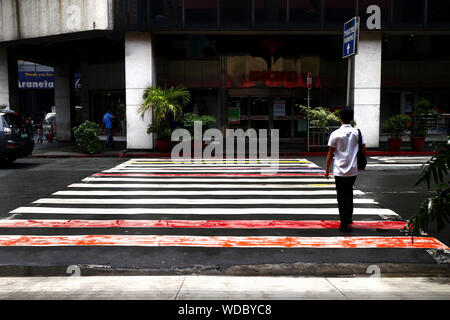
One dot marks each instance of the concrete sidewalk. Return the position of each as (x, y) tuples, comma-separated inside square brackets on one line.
[(71, 150), (223, 288)]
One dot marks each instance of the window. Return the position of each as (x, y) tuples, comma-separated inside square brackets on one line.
[(438, 13), (305, 12), (131, 14), (235, 13), (336, 13), (270, 12), (166, 12), (408, 13), (201, 12)]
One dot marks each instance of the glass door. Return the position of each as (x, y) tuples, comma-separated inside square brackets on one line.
[(238, 113), (260, 112), (282, 116)]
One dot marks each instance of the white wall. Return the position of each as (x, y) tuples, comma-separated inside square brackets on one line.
[(4, 84), (366, 93), (62, 102), (39, 18), (139, 74)]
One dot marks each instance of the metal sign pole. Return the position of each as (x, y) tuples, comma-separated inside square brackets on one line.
[(349, 79), (350, 49), (309, 85), (308, 119)]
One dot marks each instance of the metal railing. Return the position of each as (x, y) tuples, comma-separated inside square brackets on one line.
[(319, 136)]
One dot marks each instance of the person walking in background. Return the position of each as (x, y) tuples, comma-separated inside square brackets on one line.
[(107, 122), (343, 148), (40, 134), (29, 124)]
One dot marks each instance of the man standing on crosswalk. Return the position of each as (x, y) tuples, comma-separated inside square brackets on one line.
[(343, 147)]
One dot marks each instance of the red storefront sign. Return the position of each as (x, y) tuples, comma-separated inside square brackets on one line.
[(269, 75)]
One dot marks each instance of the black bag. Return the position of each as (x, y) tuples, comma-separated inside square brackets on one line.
[(362, 161)]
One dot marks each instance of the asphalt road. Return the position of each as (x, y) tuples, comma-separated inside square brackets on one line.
[(28, 180), (395, 189)]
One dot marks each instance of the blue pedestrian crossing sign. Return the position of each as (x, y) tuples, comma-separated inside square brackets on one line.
[(351, 37)]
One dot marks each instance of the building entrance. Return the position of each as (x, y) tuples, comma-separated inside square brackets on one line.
[(267, 109)]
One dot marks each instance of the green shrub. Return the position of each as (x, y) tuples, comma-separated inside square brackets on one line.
[(396, 125), (162, 130), (190, 118), (422, 110), (87, 137), (320, 117)]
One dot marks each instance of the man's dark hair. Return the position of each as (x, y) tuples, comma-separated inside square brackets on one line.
[(346, 115)]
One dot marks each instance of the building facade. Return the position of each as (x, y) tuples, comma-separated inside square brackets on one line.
[(244, 61)]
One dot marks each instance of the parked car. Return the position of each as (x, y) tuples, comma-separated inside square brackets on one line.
[(15, 136)]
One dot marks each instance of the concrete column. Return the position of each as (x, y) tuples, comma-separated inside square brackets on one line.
[(4, 79), (366, 92), (13, 76), (9, 90), (85, 103), (139, 74), (62, 102)]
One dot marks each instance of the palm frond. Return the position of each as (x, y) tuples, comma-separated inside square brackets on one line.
[(164, 102)]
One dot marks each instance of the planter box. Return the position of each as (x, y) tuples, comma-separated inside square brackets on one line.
[(417, 143), (163, 145), (394, 144)]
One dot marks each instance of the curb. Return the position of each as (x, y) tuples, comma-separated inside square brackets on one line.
[(295, 269), (168, 155)]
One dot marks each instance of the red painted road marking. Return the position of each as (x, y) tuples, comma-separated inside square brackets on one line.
[(207, 175), (223, 242), (225, 224)]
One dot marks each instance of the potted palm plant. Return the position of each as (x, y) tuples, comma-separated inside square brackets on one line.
[(419, 128), (164, 133), (166, 104), (396, 125)]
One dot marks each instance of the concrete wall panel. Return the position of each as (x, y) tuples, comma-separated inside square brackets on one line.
[(38, 18), (4, 80)]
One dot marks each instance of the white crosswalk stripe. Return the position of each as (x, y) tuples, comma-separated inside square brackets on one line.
[(397, 162)]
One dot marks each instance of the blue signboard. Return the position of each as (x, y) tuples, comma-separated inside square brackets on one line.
[(36, 80), (351, 35), (45, 80)]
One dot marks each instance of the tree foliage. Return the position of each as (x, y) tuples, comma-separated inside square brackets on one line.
[(437, 207)]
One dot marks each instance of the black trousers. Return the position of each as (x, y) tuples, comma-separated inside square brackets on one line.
[(344, 189)]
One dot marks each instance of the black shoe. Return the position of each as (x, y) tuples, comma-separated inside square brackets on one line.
[(343, 228)]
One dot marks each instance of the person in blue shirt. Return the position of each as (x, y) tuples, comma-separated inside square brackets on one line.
[(107, 121)]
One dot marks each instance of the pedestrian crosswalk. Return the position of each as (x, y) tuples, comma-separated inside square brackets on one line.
[(397, 162), (206, 204)]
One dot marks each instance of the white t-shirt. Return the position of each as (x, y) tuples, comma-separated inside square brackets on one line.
[(345, 143)]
